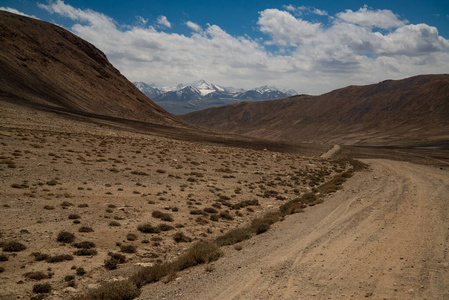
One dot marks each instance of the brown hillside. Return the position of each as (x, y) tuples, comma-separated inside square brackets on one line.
[(410, 110), (46, 66)]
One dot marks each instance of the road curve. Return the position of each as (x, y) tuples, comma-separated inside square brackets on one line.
[(386, 235), (331, 152)]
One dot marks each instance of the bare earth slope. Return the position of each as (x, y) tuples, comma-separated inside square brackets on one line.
[(385, 235), (408, 110), (48, 67)]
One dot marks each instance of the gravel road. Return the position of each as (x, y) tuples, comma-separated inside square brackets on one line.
[(384, 236)]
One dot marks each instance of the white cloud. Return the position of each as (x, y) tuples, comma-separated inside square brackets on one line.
[(141, 20), (193, 26), (15, 11), (285, 29), (311, 57), (162, 20), (381, 18), (319, 12)]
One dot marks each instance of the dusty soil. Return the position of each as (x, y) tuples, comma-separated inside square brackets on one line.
[(60, 174), (384, 236)]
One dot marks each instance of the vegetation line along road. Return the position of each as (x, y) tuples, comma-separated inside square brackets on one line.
[(384, 235)]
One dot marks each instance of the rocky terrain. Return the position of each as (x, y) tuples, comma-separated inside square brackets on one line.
[(100, 184)]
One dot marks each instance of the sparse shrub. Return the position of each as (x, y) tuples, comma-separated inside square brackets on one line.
[(85, 252), (2, 269), (163, 216), (49, 207), (165, 227), (117, 256), (82, 205), (226, 215), (42, 288), (36, 275), (180, 237), (131, 237), (260, 227), (128, 248), (110, 263), (39, 256), (148, 228), (201, 221), (65, 237), (200, 253), (114, 223), (3, 257), (13, 246), (66, 204), (69, 278), (117, 290), (84, 245), (215, 217), (196, 212), (85, 229), (80, 271), (74, 217), (233, 237), (58, 258), (210, 210)]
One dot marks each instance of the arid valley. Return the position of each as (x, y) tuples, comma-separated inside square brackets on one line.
[(107, 196)]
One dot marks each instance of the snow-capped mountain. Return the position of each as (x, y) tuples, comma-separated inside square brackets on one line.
[(149, 90), (200, 95)]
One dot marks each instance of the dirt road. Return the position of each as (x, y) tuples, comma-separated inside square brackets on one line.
[(331, 152), (386, 235)]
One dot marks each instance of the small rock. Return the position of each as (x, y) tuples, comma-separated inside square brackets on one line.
[(92, 286), (69, 289)]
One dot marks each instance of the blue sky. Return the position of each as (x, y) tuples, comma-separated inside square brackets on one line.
[(311, 46)]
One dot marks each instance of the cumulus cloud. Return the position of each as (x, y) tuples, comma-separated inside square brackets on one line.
[(162, 20), (285, 29), (193, 26), (351, 48), (381, 18), (15, 11)]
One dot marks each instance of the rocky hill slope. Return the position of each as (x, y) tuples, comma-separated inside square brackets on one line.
[(48, 67), (415, 109)]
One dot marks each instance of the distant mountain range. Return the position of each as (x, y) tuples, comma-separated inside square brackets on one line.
[(410, 110), (200, 95)]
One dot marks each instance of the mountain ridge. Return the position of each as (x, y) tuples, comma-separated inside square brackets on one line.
[(412, 109), (45, 65), (200, 95)]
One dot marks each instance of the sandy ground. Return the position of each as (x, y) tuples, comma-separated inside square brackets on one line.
[(384, 236)]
